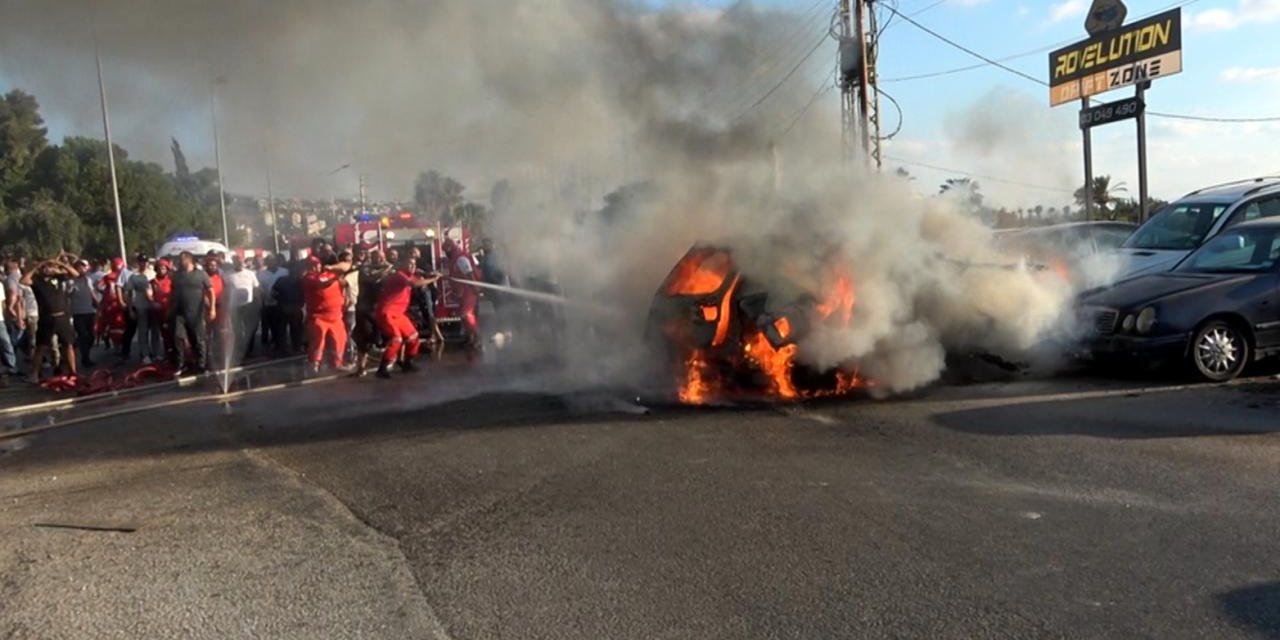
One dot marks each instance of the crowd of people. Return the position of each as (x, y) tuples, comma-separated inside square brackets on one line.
[(186, 314)]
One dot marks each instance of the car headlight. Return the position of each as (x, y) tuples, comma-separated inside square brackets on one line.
[(1146, 320), (1128, 322)]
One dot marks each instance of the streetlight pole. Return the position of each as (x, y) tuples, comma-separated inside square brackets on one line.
[(217, 157), (271, 204), (111, 153), (333, 204)]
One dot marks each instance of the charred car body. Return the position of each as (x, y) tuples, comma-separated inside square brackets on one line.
[(728, 336)]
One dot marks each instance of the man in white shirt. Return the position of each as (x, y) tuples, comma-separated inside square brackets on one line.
[(272, 320), (244, 296), (8, 358)]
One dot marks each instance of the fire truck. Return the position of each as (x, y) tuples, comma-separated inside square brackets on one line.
[(402, 231)]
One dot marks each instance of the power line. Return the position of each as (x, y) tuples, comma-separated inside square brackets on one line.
[(1042, 83), (805, 109), (977, 175), (935, 74), (784, 79), (770, 60)]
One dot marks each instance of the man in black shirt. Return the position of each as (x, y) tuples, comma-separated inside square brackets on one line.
[(288, 292), (191, 306), (48, 281)]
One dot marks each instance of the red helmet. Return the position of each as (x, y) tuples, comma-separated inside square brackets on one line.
[(117, 264), (164, 262)]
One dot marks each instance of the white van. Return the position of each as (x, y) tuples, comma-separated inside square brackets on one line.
[(197, 247)]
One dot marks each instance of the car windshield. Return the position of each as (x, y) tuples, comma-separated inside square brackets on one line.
[(1178, 226), (1236, 251)]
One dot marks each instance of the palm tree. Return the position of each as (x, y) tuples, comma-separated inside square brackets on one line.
[(1104, 196)]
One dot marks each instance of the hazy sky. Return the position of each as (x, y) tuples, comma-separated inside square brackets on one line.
[(986, 120)]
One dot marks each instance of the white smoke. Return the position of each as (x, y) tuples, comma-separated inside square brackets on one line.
[(569, 100)]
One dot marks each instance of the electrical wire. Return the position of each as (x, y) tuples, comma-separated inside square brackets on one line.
[(805, 109), (769, 60), (896, 106), (1062, 43), (784, 79), (975, 175), (1026, 76)]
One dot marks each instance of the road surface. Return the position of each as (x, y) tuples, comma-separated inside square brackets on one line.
[(1048, 508)]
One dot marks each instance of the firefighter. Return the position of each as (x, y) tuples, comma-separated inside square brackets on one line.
[(322, 290), (111, 308), (463, 266), (371, 275), (392, 316), (161, 294)]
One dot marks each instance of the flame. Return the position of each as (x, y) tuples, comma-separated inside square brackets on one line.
[(699, 275), (776, 364), (707, 271), (696, 387), (837, 302)]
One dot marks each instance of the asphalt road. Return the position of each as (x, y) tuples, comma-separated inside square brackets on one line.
[(1065, 507)]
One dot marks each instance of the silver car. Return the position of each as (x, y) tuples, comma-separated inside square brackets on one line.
[(1181, 227)]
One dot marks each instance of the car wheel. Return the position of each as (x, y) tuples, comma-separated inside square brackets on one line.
[(1219, 351)]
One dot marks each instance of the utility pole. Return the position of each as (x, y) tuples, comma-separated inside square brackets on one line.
[(860, 103), (217, 157), (111, 153), (271, 205)]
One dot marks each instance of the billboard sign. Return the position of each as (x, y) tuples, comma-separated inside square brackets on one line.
[(1137, 52)]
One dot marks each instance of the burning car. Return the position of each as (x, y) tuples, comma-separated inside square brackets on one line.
[(729, 336)]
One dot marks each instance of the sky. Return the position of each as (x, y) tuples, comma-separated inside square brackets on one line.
[(986, 122)]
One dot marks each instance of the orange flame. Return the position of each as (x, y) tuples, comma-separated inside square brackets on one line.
[(696, 387), (774, 363)]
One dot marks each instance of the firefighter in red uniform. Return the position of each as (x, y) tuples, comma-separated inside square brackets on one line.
[(463, 266), (111, 311), (322, 290), (391, 314), (161, 293)]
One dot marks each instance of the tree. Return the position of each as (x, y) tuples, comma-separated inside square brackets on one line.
[(22, 139), (42, 229), (75, 174), (965, 191), (1104, 196), (436, 195)]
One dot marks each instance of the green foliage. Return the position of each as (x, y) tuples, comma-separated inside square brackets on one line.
[(22, 138), (437, 195), (1104, 195), (42, 228)]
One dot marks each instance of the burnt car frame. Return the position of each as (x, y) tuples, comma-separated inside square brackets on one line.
[(708, 306), (1216, 311)]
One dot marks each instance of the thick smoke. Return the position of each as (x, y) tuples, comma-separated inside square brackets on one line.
[(568, 100)]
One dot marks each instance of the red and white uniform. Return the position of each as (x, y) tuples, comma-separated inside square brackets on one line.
[(111, 312), (162, 293), (391, 316), (322, 291), (462, 265)]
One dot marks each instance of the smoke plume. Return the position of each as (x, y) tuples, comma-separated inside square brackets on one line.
[(569, 100)]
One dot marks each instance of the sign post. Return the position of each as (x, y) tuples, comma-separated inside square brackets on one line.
[(1116, 55)]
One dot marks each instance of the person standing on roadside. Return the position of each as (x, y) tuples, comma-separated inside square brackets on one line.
[(138, 298), (111, 306), (8, 357), (351, 293), (193, 306), (48, 282), (245, 303), (218, 326), (161, 297), (84, 311), (271, 318), (288, 293)]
